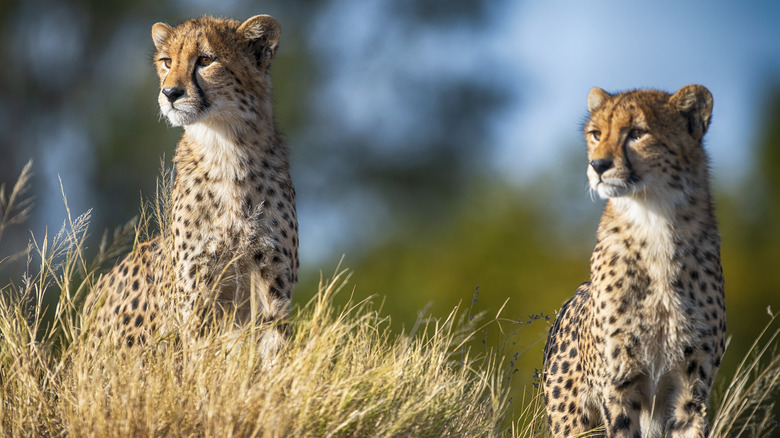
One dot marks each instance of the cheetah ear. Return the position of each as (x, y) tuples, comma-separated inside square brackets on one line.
[(695, 103), (263, 33), (596, 98), (160, 33)]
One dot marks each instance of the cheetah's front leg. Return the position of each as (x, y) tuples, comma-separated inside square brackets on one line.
[(621, 409), (689, 410)]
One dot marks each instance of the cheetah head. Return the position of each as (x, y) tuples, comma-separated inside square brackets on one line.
[(645, 142), (207, 66)]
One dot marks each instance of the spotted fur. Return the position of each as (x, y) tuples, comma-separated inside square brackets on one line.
[(233, 220), (637, 348)]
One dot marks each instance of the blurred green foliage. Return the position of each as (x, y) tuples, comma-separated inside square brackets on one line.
[(515, 243), (80, 78), (750, 226)]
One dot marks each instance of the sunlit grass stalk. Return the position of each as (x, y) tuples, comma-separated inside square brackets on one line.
[(15, 206), (744, 409), (343, 372)]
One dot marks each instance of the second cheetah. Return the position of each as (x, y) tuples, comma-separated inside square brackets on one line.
[(234, 229), (637, 348)]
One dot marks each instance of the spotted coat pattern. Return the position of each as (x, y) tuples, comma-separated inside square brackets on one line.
[(637, 348), (233, 236)]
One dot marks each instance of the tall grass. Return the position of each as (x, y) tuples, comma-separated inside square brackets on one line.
[(744, 408), (343, 372)]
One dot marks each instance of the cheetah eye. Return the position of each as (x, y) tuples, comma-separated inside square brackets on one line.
[(166, 62), (204, 61), (636, 134), (595, 135)]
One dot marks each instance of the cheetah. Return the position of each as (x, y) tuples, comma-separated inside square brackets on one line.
[(637, 348), (233, 224)]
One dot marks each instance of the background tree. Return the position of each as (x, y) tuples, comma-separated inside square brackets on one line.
[(421, 148)]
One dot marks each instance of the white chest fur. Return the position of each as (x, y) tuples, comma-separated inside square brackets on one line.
[(651, 237)]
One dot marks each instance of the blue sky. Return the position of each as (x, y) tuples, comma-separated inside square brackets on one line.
[(545, 56), (548, 54), (563, 48)]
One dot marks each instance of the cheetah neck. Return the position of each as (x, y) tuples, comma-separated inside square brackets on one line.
[(650, 221), (221, 163), (653, 230), (657, 225), (225, 150), (647, 242)]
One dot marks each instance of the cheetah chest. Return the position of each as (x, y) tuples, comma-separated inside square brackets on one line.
[(217, 222), (640, 305)]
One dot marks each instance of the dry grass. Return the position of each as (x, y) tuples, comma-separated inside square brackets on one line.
[(342, 373), (744, 408)]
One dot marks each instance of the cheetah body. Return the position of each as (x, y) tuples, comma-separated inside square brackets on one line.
[(637, 348), (233, 234)]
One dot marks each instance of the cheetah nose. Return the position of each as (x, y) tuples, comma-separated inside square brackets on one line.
[(173, 93), (601, 165)]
